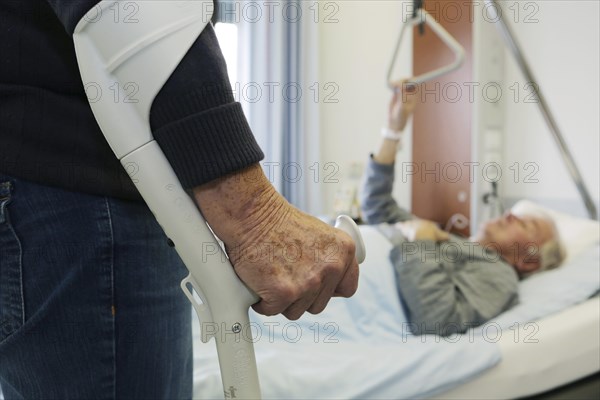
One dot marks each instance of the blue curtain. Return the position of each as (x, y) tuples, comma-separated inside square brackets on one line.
[(278, 68)]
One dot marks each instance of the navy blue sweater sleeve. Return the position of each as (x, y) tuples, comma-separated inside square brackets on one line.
[(194, 118)]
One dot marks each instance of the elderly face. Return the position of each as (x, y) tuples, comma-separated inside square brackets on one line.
[(518, 238)]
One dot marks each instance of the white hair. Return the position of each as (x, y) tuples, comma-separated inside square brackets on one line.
[(552, 252)]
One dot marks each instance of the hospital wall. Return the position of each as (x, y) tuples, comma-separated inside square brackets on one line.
[(562, 45), (355, 52), (561, 41)]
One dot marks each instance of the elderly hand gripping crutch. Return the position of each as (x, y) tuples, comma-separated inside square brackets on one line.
[(147, 53)]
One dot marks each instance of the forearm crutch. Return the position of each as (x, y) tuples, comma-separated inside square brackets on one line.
[(146, 53)]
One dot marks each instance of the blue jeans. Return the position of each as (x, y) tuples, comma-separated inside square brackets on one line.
[(90, 304)]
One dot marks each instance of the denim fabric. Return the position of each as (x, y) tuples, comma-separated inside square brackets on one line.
[(90, 304)]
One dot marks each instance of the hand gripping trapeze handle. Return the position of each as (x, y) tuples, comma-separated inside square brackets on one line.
[(138, 56)]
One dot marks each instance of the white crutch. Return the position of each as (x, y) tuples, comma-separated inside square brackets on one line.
[(142, 55)]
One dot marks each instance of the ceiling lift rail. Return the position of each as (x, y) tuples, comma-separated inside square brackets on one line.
[(420, 17), (492, 6), (145, 54)]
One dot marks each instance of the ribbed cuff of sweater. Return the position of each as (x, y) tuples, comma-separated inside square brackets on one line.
[(209, 144)]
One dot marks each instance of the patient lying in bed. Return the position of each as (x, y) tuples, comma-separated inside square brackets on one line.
[(447, 283)]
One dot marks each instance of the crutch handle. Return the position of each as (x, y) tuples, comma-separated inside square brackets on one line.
[(346, 224)]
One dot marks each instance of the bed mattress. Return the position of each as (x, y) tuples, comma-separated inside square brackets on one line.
[(539, 357)]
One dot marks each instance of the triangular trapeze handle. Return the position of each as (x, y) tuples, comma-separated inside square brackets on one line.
[(423, 16)]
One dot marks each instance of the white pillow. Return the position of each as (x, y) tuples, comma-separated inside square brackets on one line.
[(576, 233)]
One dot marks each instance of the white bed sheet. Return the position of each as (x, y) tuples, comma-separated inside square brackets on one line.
[(371, 355), (561, 353)]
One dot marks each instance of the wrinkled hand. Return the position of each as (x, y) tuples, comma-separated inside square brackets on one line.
[(422, 229), (402, 104), (296, 263), (292, 261)]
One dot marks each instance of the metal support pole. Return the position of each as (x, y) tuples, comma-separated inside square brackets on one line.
[(512, 44)]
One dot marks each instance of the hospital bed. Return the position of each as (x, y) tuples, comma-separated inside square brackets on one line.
[(360, 347)]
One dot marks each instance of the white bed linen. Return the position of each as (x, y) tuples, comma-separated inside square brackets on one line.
[(373, 356), (547, 293), (564, 348)]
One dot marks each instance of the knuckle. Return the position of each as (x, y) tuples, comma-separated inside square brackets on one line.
[(267, 308), (348, 286), (293, 315), (285, 293), (331, 270), (317, 308), (269, 311), (313, 281), (348, 247)]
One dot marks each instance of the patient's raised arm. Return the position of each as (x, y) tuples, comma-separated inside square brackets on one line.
[(377, 203)]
